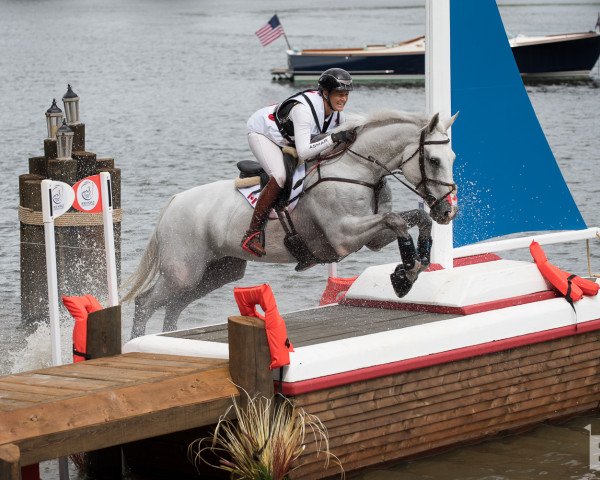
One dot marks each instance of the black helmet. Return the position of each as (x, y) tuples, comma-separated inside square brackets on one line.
[(335, 79)]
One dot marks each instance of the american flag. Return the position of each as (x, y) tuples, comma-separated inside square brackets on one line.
[(270, 32)]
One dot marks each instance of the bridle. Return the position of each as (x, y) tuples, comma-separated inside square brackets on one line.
[(427, 196)]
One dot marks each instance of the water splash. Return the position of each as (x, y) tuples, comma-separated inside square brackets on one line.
[(36, 351)]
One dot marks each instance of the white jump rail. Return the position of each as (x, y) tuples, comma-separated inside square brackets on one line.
[(523, 242)]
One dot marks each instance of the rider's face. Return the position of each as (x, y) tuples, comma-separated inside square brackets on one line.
[(338, 99)]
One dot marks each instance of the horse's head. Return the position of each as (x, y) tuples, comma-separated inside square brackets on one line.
[(427, 164)]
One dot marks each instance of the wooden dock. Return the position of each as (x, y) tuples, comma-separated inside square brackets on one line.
[(54, 412)]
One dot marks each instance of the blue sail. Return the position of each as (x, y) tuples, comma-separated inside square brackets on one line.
[(508, 179)]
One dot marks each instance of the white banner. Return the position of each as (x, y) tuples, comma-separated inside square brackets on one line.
[(57, 198)]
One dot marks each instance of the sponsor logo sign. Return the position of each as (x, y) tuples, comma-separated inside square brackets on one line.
[(88, 197)]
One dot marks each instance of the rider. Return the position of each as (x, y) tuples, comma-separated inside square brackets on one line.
[(294, 122)]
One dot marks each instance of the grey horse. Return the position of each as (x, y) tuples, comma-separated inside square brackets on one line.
[(192, 252)]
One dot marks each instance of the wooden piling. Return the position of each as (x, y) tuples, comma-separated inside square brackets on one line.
[(10, 457), (78, 137), (34, 291), (63, 170), (249, 357), (50, 149), (38, 166), (103, 339), (81, 264), (86, 163)]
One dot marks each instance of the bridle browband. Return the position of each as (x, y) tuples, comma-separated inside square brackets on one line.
[(427, 196)]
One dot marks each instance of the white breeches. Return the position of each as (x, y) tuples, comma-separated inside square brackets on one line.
[(269, 156)]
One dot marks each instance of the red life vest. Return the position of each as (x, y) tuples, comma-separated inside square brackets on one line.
[(572, 287), (80, 308), (247, 299)]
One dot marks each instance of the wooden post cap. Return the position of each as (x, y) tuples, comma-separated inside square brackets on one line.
[(10, 457), (86, 163), (50, 149), (38, 166), (249, 356)]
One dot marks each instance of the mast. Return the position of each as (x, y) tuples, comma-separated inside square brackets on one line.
[(438, 99)]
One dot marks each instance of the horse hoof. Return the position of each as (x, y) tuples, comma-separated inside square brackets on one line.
[(400, 282), (304, 265)]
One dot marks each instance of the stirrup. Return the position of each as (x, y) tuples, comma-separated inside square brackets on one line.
[(249, 243)]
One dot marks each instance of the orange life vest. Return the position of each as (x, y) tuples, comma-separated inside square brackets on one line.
[(247, 299), (572, 287), (80, 308)]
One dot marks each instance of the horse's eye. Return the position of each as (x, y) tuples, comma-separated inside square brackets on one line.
[(435, 161)]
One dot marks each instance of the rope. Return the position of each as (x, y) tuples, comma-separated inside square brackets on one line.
[(69, 219)]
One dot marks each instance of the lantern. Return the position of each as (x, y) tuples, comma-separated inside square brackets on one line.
[(64, 141), (71, 103), (54, 117)]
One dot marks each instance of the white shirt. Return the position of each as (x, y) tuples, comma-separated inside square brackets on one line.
[(263, 122)]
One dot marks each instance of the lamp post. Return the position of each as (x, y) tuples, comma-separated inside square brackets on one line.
[(64, 142), (54, 116), (71, 104)]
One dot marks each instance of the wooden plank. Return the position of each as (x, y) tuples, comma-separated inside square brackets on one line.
[(157, 360), (68, 383), (401, 440), (8, 404), (462, 368), (135, 412), (26, 397), (335, 322), (464, 418), (372, 411), (422, 381), (471, 404), (394, 451), (35, 389), (10, 468), (90, 371), (423, 391), (174, 358)]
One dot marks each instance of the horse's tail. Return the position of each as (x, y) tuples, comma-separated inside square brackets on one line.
[(147, 270)]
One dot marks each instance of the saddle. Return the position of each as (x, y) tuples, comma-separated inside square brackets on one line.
[(252, 175)]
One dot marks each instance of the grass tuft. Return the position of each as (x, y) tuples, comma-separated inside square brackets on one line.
[(263, 440)]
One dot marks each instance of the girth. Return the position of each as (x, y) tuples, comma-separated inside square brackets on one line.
[(376, 187)]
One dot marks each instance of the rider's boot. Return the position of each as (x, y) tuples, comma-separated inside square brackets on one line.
[(253, 240)]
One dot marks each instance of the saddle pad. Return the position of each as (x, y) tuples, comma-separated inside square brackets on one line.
[(252, 193)]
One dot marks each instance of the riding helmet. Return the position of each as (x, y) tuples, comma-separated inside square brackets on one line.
[(335, 79)]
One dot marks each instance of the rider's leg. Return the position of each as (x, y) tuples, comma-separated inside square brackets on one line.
[(271, 159)]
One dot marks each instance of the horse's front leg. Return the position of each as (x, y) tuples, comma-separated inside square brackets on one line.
[(359, 231), (418, 218)]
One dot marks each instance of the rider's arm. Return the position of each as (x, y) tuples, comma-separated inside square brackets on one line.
[(303, 123)]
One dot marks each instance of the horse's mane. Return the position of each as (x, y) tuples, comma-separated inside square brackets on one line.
[(384, 116)]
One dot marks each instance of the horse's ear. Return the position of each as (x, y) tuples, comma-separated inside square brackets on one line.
[(433, 122), (450, 121)]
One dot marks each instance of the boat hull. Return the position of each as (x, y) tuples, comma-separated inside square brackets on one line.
[(566, 58)]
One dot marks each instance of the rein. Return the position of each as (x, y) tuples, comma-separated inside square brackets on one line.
[(427, 196)]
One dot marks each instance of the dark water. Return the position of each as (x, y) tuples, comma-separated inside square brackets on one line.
[(166, 88)]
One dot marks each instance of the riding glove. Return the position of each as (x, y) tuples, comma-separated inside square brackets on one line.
[(345, 136)]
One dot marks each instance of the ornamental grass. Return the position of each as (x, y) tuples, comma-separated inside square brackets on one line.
[(262, 440)]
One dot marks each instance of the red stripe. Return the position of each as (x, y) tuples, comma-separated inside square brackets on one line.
[(369, 373), (269, 36), (466, 310)]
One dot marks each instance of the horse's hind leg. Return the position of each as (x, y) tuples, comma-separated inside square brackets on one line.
[(146, 304), (217, 273)]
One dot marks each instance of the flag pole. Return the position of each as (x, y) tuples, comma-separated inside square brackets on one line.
[(284, 35)]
